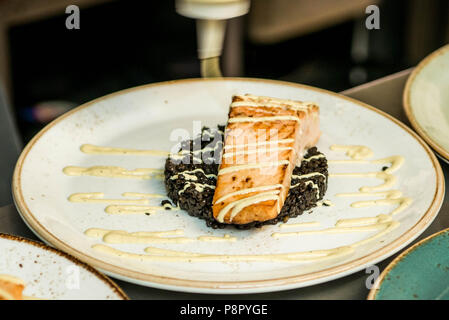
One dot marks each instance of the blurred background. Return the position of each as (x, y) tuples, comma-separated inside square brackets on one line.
[(47, 69)]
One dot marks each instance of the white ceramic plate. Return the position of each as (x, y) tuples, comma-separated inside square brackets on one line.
[(426, 100), (144, 117), (51, 274)]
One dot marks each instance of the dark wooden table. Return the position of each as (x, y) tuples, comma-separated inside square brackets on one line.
[(385, 94)]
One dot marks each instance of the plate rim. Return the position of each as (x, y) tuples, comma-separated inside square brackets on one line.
[(229, 286), (406, 103), (111, 284), (377, 286)]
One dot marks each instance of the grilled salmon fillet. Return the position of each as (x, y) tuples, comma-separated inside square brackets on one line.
[(11, 288), (264, 139)]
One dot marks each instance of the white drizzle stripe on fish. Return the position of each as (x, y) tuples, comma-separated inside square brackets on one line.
[(248, 190), (256, 144), (254, 101), (262, 119), (258, 151), (262, 99), (252, 104), (263, 196), (250, 201), (252, 166)]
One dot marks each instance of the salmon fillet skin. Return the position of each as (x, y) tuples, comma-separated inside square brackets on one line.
[(264, 139)]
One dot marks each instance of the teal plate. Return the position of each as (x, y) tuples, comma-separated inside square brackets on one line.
[(419, 273)]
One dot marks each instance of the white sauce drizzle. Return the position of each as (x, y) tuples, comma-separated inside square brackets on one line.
[(198, 187), (113, 172), (365, 228), (258, 151), (382, 222), (389, 194), (131, 209), (253, 166), (179, 256), (256, 144), (187, 174), (307, 175), (236, 206), (395, 161), (97, 197), (248, 190), (91, 149), (150, 237), (389, 179)]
